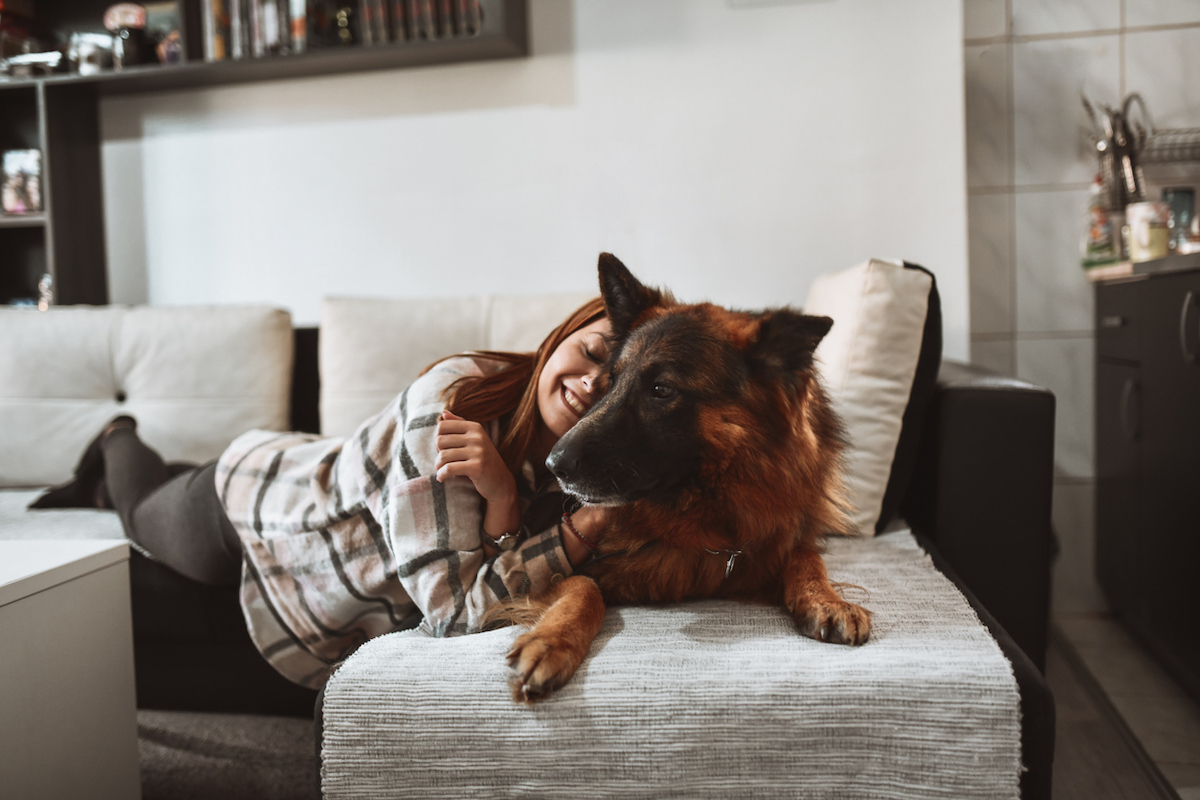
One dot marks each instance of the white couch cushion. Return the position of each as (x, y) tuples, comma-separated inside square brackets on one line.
[(194, 378), (17, 522), (372, 349), (868, 361)]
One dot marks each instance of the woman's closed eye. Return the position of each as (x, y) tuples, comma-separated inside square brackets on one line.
[(595, 352)]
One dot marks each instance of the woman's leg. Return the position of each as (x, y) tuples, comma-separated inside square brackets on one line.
[(179, 520)]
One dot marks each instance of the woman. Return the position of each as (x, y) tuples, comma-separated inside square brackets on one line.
[(428, 514)]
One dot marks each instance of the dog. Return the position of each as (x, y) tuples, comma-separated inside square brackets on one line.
[(718, 456)]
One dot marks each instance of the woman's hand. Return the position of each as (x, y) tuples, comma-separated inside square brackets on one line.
[(591, 522), (465, 450)]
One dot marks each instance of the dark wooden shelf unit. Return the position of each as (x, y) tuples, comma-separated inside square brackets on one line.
[(66, 240), (59, 115), (22, 250)]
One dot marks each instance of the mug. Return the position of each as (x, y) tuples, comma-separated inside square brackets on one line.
[(1148, 230)]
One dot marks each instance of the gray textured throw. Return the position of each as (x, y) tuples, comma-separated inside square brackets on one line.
[(700, 700)]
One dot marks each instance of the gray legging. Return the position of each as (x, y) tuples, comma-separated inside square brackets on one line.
[(176, 516)]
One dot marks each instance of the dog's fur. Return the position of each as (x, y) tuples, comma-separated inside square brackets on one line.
[(715, 437)]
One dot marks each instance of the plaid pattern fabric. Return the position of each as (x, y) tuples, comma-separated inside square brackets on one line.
[(348, 539)]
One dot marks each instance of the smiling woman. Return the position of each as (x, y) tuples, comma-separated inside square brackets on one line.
[(431, 512)]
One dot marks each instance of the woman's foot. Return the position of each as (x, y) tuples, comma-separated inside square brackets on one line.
[(86, 487)]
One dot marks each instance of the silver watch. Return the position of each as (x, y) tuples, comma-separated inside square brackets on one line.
[(506, 541)]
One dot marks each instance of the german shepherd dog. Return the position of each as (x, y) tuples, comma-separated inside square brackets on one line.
[(718, 453)]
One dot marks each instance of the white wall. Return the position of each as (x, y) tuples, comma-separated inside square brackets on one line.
[(730, 153)]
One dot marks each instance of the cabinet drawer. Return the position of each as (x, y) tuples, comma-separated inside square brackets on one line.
[(1117, 312)]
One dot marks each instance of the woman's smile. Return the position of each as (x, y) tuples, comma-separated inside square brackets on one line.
[(574, 401)]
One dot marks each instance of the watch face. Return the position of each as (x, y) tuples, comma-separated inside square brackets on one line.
[(506, 541)]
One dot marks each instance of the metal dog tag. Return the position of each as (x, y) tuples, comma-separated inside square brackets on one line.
[(733, 554)]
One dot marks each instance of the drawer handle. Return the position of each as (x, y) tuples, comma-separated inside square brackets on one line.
[(1189, 355), (1129, 422), (1114, 321)]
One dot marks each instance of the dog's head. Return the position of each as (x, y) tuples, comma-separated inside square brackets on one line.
[(691, 387)]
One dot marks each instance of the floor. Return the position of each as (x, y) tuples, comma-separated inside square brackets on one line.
[(193, 756), (1125, 728)]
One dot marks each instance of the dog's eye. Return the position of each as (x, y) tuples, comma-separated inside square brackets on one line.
[(662, 391)]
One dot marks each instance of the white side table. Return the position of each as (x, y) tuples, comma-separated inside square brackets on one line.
[(68, 706)]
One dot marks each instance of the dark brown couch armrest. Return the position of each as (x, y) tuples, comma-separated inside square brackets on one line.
[(982, 491)]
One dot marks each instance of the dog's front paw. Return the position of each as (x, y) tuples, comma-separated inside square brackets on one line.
[(540, 665), (834, 620)]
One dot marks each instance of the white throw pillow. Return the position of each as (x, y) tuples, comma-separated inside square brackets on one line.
[(868, 361)]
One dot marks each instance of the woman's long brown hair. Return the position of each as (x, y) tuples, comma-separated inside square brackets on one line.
[(513, 389)]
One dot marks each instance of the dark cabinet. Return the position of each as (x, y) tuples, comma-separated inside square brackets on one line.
[(1148, 462)]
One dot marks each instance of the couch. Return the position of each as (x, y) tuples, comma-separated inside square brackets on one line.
[(971, 472)]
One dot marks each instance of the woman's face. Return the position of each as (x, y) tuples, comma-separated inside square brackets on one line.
[(571, 381)]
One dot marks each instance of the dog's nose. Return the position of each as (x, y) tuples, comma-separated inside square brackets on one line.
[(562, 463)]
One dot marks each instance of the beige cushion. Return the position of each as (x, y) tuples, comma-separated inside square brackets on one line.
[(371, 349), (868, 361), (194, 378)]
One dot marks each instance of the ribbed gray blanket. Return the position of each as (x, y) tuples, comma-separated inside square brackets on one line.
[(699, 700)]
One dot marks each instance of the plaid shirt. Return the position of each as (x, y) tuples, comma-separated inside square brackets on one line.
[(348, 539)]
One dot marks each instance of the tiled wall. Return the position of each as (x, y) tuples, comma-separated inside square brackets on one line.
[(1027, 63)]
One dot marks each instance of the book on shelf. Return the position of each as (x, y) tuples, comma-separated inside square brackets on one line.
[(424, 26), (215, 22), (399, 20), (470, 17), (238, 29), (298, 25), (368, 12), (380, 18)]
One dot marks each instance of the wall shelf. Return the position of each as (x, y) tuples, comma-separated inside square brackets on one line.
[(504, 35), (59, 115)]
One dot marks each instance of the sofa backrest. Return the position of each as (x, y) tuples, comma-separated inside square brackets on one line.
[(370, 349), (194, 378), (887, 325)]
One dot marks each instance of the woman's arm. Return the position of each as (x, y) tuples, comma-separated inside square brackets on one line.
[(433, 526), (589, 522), (465, 450)]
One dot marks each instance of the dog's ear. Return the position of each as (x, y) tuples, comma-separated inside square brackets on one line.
[(786, 340), (625, 298)]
